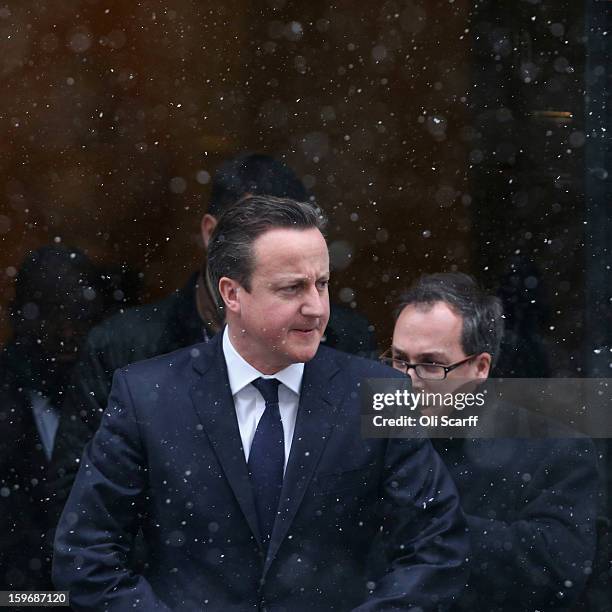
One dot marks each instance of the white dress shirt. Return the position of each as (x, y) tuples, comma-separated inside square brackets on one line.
[(46, 417), (249, 403)]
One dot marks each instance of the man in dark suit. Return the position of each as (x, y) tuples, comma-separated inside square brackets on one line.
[(57, 300), (242, 460), (187, 316), (530, 501)]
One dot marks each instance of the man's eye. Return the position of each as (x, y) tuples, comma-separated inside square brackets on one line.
[(290, 288), (322, 285), (431, 367)]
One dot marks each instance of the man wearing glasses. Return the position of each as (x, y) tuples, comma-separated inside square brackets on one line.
[(530, 503), (445, 329)]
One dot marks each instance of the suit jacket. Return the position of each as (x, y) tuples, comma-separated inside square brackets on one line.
[(531, 506), (168, 457), (141, 333), (25, 563)]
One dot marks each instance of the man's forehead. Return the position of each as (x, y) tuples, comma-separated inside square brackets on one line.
[(428, 328), (279, 275), (290, 246), (439, 312), (275, 234)]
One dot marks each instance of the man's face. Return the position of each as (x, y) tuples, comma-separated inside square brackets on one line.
[(432, 334), (282, 318)]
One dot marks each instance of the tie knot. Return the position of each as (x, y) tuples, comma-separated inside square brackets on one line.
[(268, 387)]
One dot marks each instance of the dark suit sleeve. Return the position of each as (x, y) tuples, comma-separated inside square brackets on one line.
[(425, 535), (96, 531), (541, 557)]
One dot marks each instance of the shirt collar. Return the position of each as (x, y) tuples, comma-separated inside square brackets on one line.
[(241, 373)]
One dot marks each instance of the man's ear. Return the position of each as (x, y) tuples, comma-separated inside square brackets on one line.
[(482, 364), (229, 290), (207, 225)]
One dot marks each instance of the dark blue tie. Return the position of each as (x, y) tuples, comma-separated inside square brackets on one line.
[(267, 457)]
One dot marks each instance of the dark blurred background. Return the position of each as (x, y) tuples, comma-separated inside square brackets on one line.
[(438, 135)]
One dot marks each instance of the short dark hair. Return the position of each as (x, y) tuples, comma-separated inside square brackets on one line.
[(230, 252), (255, 174), (483, 322)]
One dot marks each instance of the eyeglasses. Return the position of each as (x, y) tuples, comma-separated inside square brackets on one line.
[(425, 371)]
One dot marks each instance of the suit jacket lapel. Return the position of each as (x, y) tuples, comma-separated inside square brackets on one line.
[(212, 400), (315, 421)]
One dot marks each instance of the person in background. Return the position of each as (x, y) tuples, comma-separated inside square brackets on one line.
[(187, 316), (58, 298), (531, 504)]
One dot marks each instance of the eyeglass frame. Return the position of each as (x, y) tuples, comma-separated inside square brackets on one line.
[(413, 366)]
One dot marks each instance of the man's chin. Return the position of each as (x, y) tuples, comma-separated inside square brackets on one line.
[(306, 350)]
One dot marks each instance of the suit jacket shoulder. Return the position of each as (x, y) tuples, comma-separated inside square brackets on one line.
[(171, 368), (145, 331)]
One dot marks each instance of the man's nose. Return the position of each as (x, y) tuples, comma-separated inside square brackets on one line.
[(417, 383), (315, 303)]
